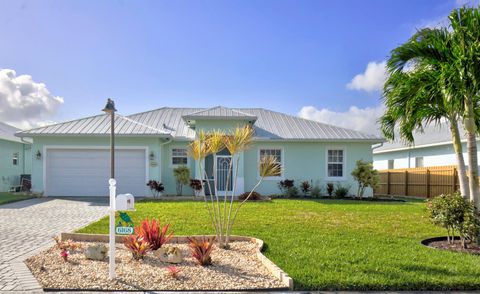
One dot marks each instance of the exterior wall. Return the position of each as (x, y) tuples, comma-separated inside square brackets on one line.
[(167, 168), (9, 173), (432, 156), (305, 161), (40, 144), (225, 125)]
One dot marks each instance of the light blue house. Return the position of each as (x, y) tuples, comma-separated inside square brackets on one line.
[(74, 157), (432, 147), (15, 157)]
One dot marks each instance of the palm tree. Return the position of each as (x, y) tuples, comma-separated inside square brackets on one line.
[(417, 91)]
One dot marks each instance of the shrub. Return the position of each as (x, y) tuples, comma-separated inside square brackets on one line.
[(306, 187), (201, 249), (316, 191), (136, 245), (330, 188), (155, 187), (365, 175), (292, 192), (341, 191), (182, 176), (285, 185), (254, 197), (64, 254), (455, 214), (151, 233), (196, 186)]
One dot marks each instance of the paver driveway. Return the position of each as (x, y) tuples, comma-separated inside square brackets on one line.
[(27, 227)]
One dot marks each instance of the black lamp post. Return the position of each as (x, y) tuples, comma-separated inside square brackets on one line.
[(110, 109)]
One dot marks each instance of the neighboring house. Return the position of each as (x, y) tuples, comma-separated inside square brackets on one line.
[(15, 157), (433, 147), (74, 157)]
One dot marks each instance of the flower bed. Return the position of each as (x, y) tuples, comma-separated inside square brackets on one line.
[(239, 268)]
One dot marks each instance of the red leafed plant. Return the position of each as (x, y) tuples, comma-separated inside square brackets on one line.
[(152, 234), (64, 254), (172, 271), (137, 245), (201, 249)]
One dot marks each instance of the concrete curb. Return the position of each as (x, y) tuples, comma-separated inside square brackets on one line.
[(276, 271)]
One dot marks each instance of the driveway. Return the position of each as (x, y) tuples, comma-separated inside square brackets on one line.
[(27, 227)]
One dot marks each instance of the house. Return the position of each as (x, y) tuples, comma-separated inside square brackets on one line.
[(15, 157), (432, 147), (74, 155)]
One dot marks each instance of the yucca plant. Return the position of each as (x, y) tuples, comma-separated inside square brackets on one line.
[(151, 233), (237, 141), (136, 245), (201, 249)]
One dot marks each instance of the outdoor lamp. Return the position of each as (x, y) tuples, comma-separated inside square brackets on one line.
[(110, 107), (38, 155)]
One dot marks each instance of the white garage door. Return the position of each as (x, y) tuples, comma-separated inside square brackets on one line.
[(85, 172)]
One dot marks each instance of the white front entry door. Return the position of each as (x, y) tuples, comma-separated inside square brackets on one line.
[(85, 172), (221, 170)]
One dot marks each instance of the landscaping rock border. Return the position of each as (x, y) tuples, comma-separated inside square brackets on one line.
[(276, 271)]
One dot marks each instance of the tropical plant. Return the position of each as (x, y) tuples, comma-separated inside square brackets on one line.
[(64, 254), (316, 191), (196, 186), (201, 249), (306, 187), (455, 214), (172, 271), (330, 189), (434, 77), (341, 191), (150, 232), (136, 245), (155, 187), (223, 215), (366, 176), (182, 177)]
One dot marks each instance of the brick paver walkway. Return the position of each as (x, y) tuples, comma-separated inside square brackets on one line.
[(27, 227)]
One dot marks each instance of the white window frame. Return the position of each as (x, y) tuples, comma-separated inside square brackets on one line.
[(171, 156), (15, 158), (419, 158), (282, 163), (393, 163), (344, 165)]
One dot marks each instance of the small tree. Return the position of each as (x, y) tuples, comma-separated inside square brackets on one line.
[(455, 214), (155, 187), (365, 175), (182, 177)]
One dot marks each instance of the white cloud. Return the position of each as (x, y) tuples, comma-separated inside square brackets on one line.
[(360, 119), (372, 79), (25, 103)]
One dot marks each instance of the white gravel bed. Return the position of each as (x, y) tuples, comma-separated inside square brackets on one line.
[(237, 268)]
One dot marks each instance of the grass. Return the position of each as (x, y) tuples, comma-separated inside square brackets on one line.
[(335, 244), (6, 197)]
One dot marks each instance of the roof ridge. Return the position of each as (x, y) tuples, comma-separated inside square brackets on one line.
[(220, 107), (142, 124), (59, 123)]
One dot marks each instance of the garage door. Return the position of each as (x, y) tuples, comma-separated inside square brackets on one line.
[(85, 172)]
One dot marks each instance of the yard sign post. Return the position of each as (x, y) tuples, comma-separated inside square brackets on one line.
[(110, 109)]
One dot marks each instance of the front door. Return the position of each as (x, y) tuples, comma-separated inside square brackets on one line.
[(224, 174)]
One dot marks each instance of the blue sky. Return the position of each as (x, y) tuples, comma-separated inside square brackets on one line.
[(281, 55)]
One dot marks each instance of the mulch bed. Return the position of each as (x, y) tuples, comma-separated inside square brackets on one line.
[(442, 243)]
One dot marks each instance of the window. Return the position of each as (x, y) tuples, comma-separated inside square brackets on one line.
[(335, 162), (419, 161), (277, 153), (179, 156), (391, 164), (15, 158)]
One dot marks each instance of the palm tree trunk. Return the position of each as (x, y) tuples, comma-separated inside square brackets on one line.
[(462, 170), (470, 128)]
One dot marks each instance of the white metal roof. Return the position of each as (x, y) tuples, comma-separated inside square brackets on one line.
[(269, 125), (219, 112), (7, 132)]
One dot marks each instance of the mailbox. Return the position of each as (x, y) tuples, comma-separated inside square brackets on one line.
[(125, 202)]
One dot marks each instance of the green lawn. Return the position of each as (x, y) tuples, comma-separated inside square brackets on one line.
[(335, 244), (6, 197)]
